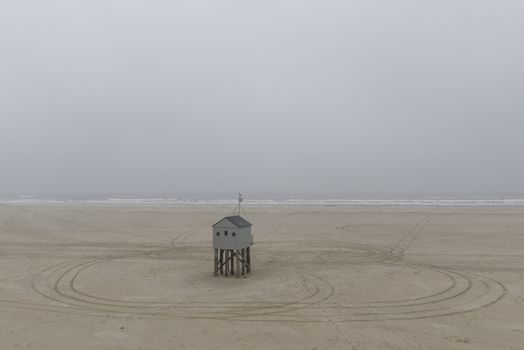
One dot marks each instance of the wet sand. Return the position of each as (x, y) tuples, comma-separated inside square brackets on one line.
[(141, 277)]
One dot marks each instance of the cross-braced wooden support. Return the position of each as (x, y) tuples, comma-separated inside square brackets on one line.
[(232, 262)]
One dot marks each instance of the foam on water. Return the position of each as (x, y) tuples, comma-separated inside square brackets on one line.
[(416, 202)]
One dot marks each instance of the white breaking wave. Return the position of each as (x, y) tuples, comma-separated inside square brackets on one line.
[(422, 202)]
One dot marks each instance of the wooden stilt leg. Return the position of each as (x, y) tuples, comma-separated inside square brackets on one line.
[(237, 254), (231, 267), (232, 252), (215, 270), (243, 256), (248, 259), (221, 261), (227, 262)]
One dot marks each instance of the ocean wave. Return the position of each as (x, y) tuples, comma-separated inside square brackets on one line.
[(422, 202)]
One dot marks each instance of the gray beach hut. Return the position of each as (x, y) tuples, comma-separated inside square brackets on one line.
[(232, 241)]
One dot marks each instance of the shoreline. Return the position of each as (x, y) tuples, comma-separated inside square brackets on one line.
[(423, 202)]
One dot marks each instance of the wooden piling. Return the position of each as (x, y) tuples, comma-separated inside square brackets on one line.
[(221, 261), (215, 270), (232, 253), (237, 254), (243, 258), (248, 259), (226, 262)]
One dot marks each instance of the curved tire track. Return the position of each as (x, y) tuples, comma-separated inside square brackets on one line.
[(464, 292)]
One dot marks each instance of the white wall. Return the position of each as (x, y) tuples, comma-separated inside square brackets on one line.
[(241, 240)]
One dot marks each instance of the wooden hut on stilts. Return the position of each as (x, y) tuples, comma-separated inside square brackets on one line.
[(232, 241)]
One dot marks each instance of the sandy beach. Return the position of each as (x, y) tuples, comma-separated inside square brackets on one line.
[(141, 277)]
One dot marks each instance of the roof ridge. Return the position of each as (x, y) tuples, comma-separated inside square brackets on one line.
[(236, 220)]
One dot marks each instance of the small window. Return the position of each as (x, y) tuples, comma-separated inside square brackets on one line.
[(218, 233), (225, 233), (233, 234)]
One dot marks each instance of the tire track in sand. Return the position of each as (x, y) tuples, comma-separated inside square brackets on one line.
[(464, 292)]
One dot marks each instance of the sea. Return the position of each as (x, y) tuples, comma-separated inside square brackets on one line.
[(270, 200)]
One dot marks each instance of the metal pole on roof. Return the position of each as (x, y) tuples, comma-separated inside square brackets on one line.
[(240, 200), (238, 208)]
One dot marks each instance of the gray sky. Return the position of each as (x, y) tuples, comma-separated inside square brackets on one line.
[(348, 97)]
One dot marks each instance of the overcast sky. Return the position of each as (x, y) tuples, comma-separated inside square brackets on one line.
[(347, 97)]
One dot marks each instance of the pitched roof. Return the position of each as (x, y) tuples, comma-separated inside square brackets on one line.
[(237, 220)]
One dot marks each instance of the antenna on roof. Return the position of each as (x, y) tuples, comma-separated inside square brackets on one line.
[(238, 207)]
